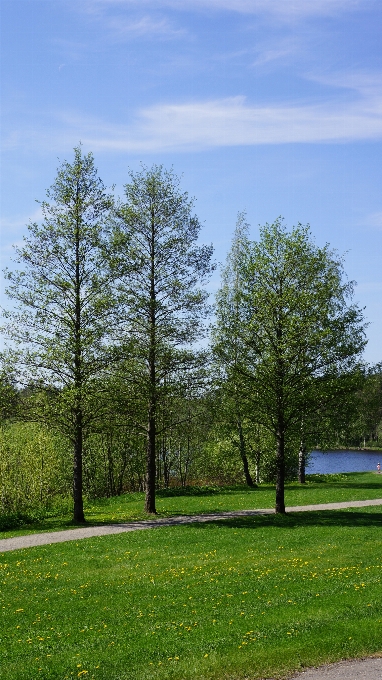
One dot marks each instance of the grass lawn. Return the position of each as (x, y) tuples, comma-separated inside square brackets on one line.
[(245, 598), (318, 489)]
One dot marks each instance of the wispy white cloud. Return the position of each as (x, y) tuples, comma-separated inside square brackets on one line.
[(375, 220), (270, 55), (198, 125), (263, 52), (233, 122), (120, 24), (284, 48), (282, 8), (141, 26), (367, 84)]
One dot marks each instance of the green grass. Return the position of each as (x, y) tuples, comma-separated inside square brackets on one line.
[(319, 489), (245, 598)]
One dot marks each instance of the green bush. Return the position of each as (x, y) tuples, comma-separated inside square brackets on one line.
[(34, 470)]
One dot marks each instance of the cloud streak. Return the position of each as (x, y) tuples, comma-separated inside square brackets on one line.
[(198, 125), (124, 24), (282, 8), (375, 220), (143, 26)]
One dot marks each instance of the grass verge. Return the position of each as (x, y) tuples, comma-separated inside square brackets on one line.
[(318, 489), (245, 598)]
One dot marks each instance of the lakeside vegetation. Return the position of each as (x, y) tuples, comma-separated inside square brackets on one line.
[(371, 446), (35, 477)]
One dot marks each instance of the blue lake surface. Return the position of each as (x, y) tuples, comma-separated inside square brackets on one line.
[(343, 461)]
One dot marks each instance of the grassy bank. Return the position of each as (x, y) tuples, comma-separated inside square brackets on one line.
[(249, 598), (319, 489), (372, 447)]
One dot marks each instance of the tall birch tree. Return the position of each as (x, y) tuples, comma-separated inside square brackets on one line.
[(162, 271), (62, 297), (300, 329), (230, 316)]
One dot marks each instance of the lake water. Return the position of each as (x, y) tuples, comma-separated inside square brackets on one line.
[(343, 461)]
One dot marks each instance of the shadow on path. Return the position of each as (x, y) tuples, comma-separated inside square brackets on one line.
[(328, 518), (326, 514)]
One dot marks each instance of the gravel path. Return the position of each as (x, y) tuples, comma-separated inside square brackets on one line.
[(33, 540), (357, 669)]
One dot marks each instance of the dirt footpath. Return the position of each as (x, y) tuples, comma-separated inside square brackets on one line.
[(358, 669), (33, 540)]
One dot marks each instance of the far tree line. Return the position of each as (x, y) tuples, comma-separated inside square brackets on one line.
[(111, 355)]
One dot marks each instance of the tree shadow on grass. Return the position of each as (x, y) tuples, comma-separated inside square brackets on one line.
[(296, 520), (334, 481), (179, 491), (338, 485)]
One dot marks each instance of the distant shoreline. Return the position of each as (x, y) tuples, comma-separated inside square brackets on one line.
[(350, 448)]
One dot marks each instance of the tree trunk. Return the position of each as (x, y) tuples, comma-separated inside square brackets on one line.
[(280, 475), (188, 460), (301, 463), (150, 466), (121, 473), (78, 513), (280, 431), (258, 457), (42, 479), (243, 456), (151, 429), (110, 468), (166, 462)]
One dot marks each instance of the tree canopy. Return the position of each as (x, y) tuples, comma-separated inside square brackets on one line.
[(298, 331), (62, 294), (163, 304), (109, 348)]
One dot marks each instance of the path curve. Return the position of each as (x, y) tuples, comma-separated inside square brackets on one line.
[(355, 669), (47, 538)]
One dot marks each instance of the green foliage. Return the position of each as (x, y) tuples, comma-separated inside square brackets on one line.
[(9, 396), (161, 270), (287, 331), (184, 426), (366, 425), (110, 305), (61, 291), (113, 463), (159, 233), (63, 298), (34, 470)]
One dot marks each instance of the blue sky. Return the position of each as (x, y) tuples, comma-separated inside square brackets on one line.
[(268, 106)]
